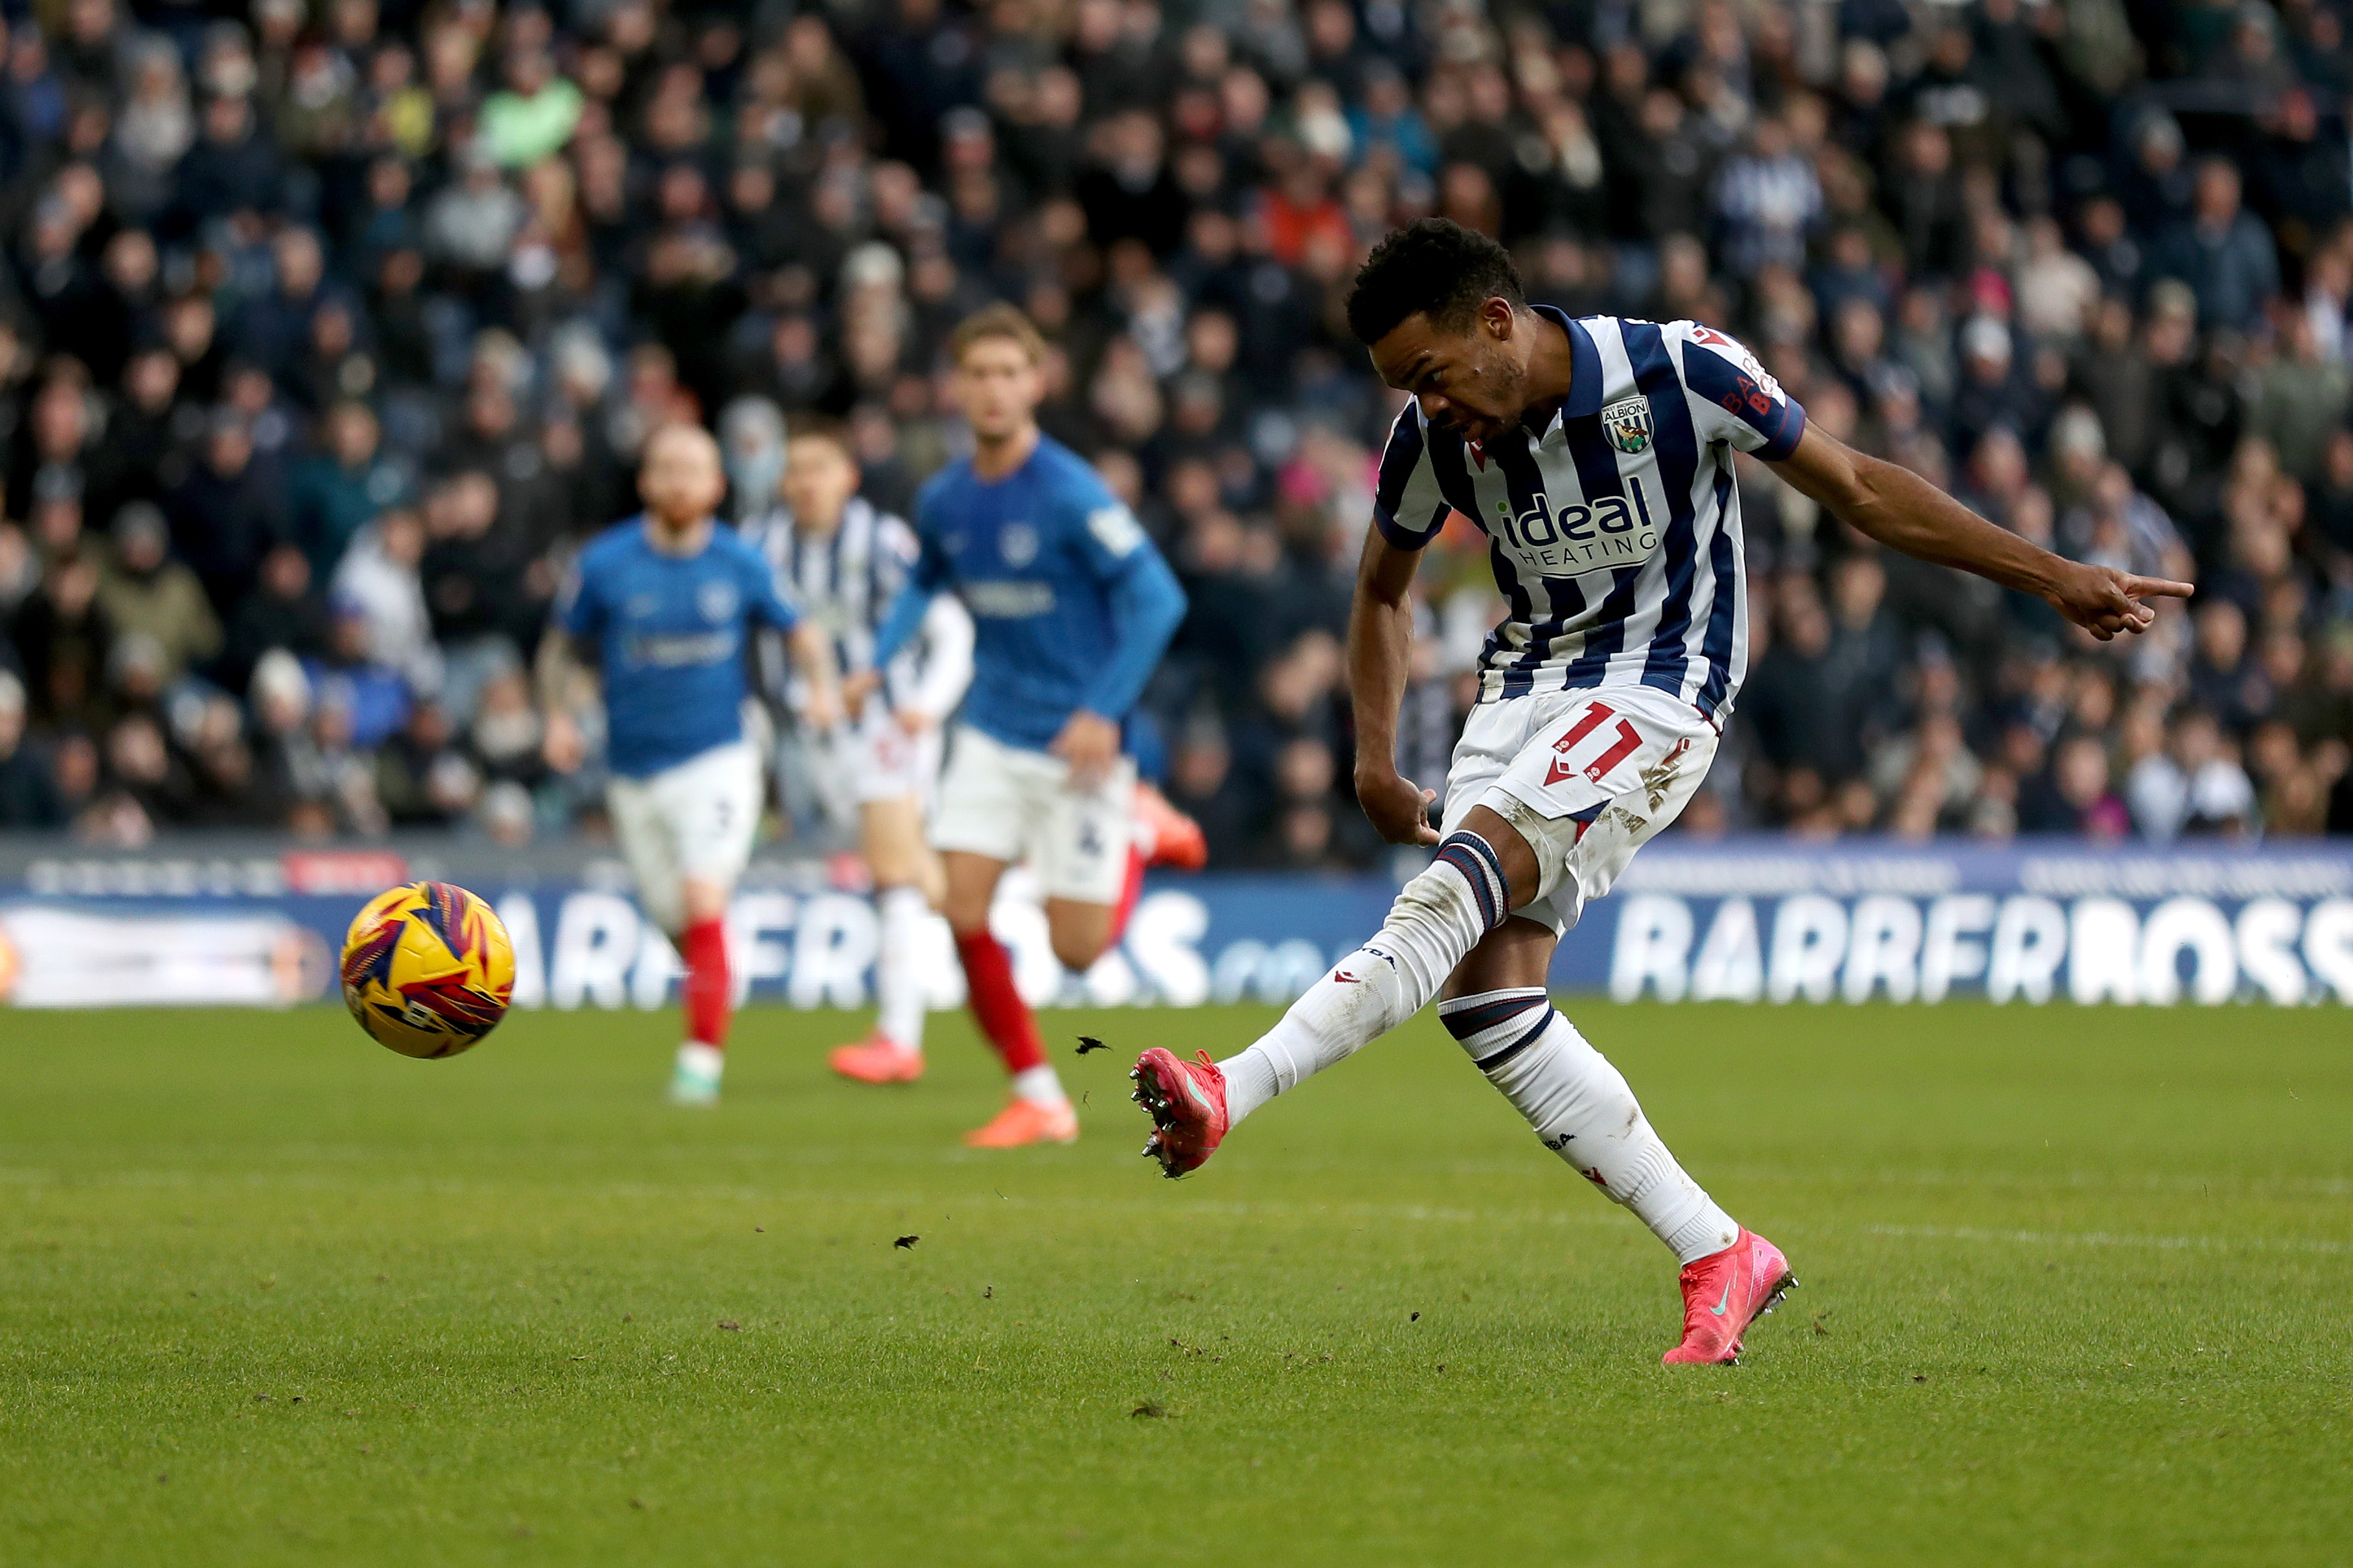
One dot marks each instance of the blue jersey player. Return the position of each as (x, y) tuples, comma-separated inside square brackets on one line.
[(1071, 607), (660, 608)]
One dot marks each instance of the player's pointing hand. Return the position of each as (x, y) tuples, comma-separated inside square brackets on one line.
[(2108, 603)]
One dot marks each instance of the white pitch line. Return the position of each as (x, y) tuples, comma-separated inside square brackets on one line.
[(2105, 1238)]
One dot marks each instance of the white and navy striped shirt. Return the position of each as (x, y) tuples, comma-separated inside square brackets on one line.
[(1615, 534), (844, 581)]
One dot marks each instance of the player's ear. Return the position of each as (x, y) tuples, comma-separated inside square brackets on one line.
[(1499, 317)]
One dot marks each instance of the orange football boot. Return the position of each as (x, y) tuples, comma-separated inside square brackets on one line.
[(877, 1058), (1723, 1294), (1023, 1122), (1165, 835)]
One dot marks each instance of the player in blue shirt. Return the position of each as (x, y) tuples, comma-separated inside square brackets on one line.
[(1071, 607), (660, 607)]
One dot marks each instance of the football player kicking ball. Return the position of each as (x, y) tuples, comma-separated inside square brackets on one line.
[(660, 607), (1072, 607), (844, 562), (1597, 454)]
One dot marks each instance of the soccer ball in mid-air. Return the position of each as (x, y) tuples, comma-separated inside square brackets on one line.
[(427, 969)]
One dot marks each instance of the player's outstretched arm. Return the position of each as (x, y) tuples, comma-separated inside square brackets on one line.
[(1904, 511), (1381, 646)]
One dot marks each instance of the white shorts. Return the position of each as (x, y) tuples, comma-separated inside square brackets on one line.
[(695, 819), (1011, 805), (871, 759), (1587, 777)]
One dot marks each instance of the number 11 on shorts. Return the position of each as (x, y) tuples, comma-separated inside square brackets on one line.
[(1620, 743)]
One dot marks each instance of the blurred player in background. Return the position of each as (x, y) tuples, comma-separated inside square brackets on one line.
[(658, 608), (844, 563), (1072, 607), (1599, 454)]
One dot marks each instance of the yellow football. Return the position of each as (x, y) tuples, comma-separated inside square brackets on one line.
[(427, 969)]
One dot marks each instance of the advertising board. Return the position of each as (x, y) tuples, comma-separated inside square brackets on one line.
[(1745, 919)]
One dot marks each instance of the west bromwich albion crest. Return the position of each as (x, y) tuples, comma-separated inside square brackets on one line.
[(1627, 423)]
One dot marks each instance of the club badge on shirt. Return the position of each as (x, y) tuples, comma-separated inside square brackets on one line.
[(1627, 423)]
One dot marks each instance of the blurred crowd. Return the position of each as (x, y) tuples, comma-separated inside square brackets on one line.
[(330, 328)]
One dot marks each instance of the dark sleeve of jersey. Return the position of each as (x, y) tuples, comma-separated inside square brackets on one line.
[(1770, 415), (932, 571), (1407, 507)]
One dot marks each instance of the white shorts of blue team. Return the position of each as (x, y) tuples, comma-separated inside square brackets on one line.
[(1011, 804), (696, 819), (873, 758), (1586, 778)]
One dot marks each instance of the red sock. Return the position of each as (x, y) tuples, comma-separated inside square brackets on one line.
[(1003, 1016), (704, 948), (1133, 890)]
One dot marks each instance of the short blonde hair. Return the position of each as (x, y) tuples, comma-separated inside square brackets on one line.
[(998, 320)]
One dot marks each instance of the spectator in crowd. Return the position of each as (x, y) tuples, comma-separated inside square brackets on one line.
[(337, 490), (2219, 250), (330, 331), (144, 591), (29, 790)]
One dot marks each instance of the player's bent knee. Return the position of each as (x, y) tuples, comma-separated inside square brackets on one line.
[(1077, 933), (1523, 872), (970, 883), (892, 836), (1077, 954)]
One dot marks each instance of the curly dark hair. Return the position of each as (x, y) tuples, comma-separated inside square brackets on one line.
[(1434, 266)]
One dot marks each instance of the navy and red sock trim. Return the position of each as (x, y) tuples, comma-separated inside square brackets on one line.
[(1477, 861)]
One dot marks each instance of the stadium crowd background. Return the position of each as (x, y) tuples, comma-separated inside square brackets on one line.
[(328, 331)]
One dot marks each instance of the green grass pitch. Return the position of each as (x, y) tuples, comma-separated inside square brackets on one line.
[(2076, 1291)]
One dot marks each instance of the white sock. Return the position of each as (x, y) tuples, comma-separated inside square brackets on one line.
[(1039, 1086), (898, 969), (700, 1061), (1438, 918), (1582, 1109)]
